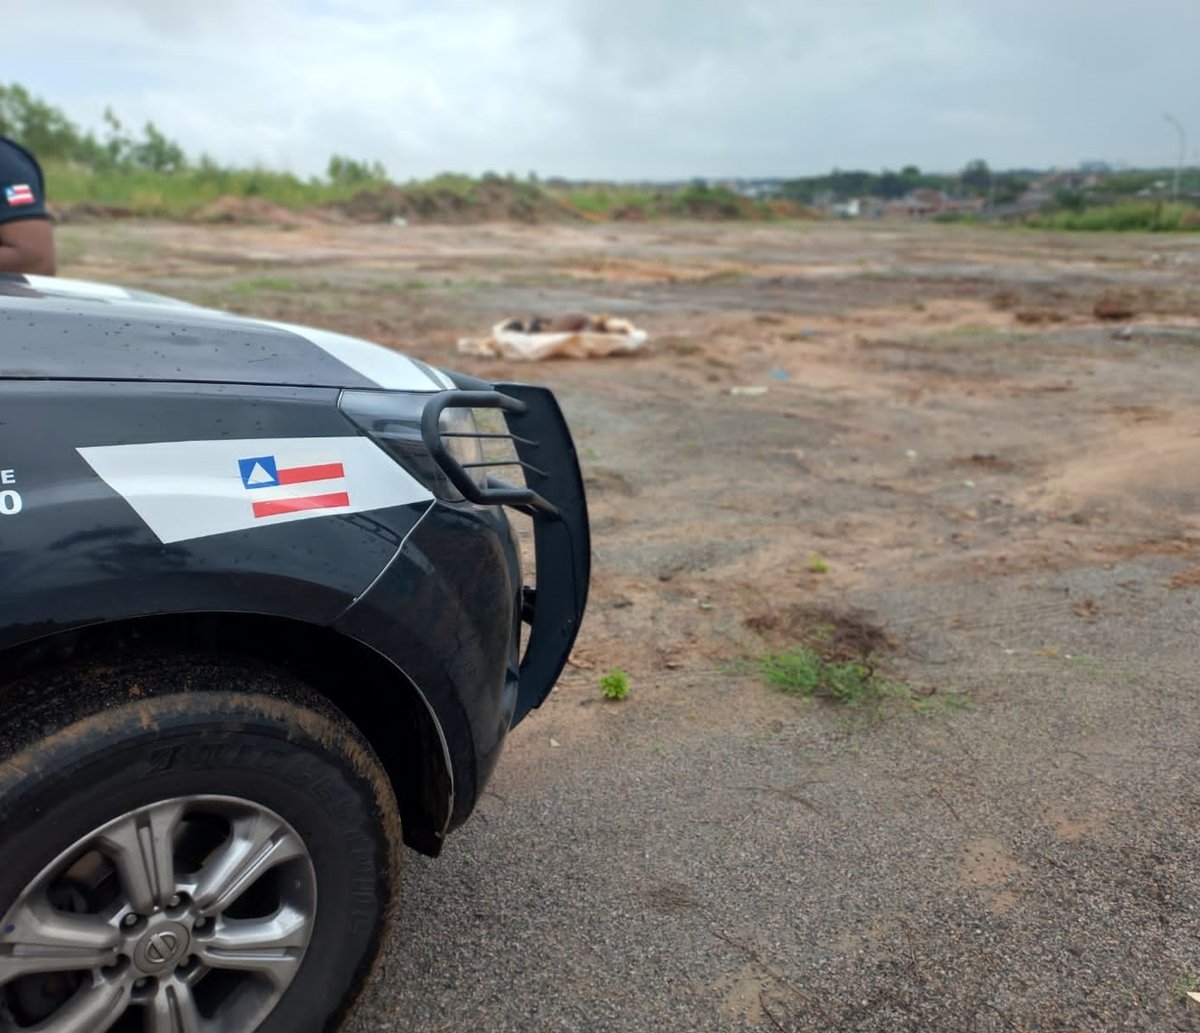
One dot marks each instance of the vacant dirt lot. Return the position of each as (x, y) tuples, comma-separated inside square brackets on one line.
[(1003, 490)]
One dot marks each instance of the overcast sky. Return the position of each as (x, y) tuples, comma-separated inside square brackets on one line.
[(627, 89)]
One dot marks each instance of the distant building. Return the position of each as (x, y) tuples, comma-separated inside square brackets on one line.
[(926, 203)]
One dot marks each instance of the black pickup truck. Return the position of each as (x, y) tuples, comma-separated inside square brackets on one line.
[(262, 622)]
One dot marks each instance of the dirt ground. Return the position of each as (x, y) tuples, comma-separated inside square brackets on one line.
[(1002, 489)]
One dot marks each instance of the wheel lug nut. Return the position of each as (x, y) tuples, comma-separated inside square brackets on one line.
[(175, 901), (139, 984), (130, 919)]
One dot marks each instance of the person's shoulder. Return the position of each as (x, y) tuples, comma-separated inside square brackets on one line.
[(8, 143), (15, 160), (22, 185)]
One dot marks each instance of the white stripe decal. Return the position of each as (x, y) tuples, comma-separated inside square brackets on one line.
[(192, 489), (382, 366), (61, 285), (442, 377)]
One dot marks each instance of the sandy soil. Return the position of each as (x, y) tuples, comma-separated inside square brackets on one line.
[(1000, 485)]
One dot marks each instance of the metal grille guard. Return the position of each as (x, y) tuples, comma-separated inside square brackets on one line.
[(553, 496)]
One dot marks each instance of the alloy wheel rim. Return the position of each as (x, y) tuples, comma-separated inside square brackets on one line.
[(189, 915)]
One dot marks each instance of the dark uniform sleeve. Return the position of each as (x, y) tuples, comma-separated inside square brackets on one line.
[(22, 187)]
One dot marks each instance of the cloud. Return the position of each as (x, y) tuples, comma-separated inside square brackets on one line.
[(625, 88)]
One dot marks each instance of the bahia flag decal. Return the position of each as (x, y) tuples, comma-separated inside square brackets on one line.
[(265, 472), (18, 194), (192, 489)]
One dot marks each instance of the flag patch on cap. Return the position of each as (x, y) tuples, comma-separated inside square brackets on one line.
[(18, 194)]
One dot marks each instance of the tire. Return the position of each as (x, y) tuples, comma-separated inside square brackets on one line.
[(214, 861)]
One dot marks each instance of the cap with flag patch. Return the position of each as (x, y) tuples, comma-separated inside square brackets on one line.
[(22, 185)]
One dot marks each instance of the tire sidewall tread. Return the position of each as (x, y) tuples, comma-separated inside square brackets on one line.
[(281, 749)]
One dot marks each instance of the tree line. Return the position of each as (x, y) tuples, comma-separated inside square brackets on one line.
[(976, 179), (119, 161), (46, 131)]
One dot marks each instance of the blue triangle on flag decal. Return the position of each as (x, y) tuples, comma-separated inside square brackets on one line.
[(259, 472)]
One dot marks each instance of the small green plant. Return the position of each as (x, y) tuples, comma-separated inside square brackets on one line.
[(615, 684), (816, 565), (937, 703), (802, 671), (1187, 983)]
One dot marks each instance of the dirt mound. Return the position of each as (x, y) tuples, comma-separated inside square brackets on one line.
[(1113, 306), (450, 201), (782, 209), (255, 211), (847, 633), (713, 205), (628, 213)]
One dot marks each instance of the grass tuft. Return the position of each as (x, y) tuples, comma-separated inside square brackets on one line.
[(1186, 984), (829, 654), (615, 684), (802, 671)]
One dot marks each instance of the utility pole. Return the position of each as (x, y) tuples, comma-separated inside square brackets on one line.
[(1182, 150)]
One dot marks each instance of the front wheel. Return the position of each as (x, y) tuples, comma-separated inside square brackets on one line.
[(199, 862)]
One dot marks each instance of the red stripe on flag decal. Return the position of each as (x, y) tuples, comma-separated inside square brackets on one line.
[(277, 507), (303, 474)]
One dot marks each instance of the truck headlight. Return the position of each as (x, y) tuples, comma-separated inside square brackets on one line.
[(461, 436)]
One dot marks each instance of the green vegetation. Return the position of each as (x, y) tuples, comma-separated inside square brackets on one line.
[(1130, 182), (50, 134), (147, 173), (832, 656), (861, 183), (179, 192), (696, 200), (975, 180), (1129, 216), (615, 684), (1187, 983), (1097, 200), (816, 565), (143, 172), (150, 192), (818, 669), (604, 199), (803, 671)]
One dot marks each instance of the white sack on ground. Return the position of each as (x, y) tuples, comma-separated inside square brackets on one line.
[(589, 337)]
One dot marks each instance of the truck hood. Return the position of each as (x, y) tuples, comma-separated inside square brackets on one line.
[(53, 328)]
